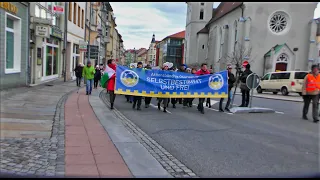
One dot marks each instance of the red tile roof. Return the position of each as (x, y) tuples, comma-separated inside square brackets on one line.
[(223, 9), (181, 35)]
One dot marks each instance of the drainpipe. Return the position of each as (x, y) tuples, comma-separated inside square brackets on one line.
[(28, 79), (85, 31), (65, 40)]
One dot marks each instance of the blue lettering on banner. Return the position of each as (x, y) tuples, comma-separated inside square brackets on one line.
[(170, 84)]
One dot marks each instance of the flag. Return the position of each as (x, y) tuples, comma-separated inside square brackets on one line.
[(108, 72)]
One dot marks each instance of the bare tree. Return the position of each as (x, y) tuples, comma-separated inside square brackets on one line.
[(236, 58)]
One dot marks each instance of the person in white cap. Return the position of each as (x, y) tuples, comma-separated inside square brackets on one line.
[(231, 81), (165, 100)]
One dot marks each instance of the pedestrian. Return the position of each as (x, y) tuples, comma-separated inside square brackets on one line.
[(182, 69), (231, 81), (203, 71), (310, 91), (111, 82), (164, 100), (97, 77), (137, 99), (88, 73), (190, 100), (78, 71), (187, 100), (245, 91), (147, 100)]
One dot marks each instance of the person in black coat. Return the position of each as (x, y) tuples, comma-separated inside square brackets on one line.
[(231, 81), (97, 77), (245, 91), (78, 71)]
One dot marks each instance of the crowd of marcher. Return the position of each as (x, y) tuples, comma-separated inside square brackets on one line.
[(93, 76)]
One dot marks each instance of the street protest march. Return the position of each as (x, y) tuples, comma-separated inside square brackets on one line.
[(170, 84)]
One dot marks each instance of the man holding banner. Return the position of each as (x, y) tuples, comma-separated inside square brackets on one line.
[(202, 71), (137, 98), (108, 80), (165, 100)]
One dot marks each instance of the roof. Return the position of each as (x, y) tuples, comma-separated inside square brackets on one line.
[(277, 48), (204, 30), (180, 35), (223, 9)]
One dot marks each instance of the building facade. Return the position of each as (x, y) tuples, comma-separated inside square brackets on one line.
[(151, 57), (170, 49), (46, 42), (281, 36), (318, 39), (142, 55), (14, 45), (76, 29)]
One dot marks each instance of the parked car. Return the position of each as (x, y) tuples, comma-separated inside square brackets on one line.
[(285, 82)]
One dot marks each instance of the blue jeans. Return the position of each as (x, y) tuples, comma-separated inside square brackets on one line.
[(89, 85)]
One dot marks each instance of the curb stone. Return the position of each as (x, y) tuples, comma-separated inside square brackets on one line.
[(170, 163)]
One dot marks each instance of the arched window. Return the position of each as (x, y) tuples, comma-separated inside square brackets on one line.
[(220, 43), (235, 33), (201, 14)]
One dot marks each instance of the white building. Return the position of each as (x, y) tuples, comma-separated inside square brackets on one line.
[(281, 35), (76, 28), (151, 56)]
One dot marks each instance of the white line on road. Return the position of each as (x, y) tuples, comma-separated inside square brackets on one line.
[(279, 112), (213, 109), (160, 107)]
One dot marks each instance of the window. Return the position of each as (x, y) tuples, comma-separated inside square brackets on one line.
[(266, 77), (75, 13), (201, 14), (202, 4), (284, 75), (79, 16), (70, 11), (278, 22), (202, 46), (300, 75), (275, 76), (12, 44), (82, 15)]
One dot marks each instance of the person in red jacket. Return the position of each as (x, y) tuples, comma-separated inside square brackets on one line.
[(204, 70), (111, 82)]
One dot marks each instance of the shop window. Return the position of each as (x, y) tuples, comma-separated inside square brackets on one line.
[(70, 11), (75, 13), (79, 16), (12, 44)]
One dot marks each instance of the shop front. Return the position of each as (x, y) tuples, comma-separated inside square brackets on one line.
[(13, 44)]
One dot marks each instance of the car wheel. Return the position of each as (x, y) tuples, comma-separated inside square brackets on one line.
[(284, 91), (259, 90), (275, 92)]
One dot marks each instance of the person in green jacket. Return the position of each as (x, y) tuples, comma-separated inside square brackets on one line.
[(88, 73)]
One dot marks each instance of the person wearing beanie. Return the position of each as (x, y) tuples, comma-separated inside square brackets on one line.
[(111, 63), (203, 71), (166, 67), (78, 71), (231, 81), (310, 91), (137, 99), (147, 100), (88, 72), (97, 77), (245, 91)]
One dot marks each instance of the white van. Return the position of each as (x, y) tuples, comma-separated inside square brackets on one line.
[(284, 82)]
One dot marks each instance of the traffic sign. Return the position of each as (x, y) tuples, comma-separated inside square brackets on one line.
[(253, 81), (58, 9), (245, 63)]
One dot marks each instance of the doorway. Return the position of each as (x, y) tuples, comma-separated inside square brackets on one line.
[(281, 67)]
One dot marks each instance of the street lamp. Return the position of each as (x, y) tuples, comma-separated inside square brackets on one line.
[(134, 49)]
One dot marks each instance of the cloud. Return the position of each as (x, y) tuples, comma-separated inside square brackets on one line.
[(137, 22)]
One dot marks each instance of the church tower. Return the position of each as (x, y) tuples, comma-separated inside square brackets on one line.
[(151, 55), (198, 15)]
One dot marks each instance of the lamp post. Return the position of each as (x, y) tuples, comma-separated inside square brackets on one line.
[(134, 49)]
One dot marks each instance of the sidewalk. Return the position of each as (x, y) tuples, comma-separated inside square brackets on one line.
[(89, 150), (28, 112), (268, 95)]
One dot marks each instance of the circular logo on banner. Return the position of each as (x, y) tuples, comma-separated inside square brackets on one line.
[(129, 78), (216, 81)]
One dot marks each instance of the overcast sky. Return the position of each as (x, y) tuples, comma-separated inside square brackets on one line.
[(137, 21)]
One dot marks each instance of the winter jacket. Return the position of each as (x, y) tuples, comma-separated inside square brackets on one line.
[(201, 72), (231, 80), (244, 75), (78, 71), (112, 81), (88, 72), (97, 75)]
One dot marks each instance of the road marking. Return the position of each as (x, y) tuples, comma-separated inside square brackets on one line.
[(279, 112), (213, 109), (160, 108)]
